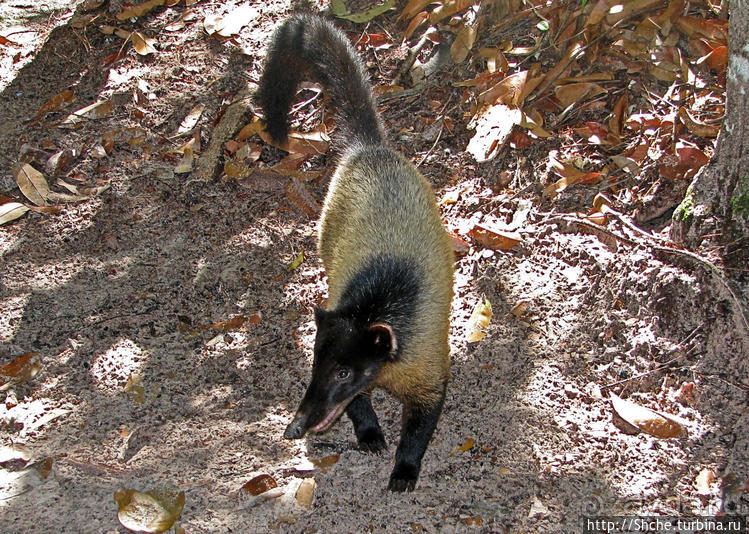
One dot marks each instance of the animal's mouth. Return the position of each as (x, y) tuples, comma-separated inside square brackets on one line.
[(330, 418)]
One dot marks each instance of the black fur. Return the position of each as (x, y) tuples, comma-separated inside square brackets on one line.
[(384, 290), (308, 47)]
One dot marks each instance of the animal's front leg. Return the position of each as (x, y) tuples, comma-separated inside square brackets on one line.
[(418, 427), (367, 428)]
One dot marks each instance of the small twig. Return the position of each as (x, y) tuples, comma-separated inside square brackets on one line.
[(439, 134)]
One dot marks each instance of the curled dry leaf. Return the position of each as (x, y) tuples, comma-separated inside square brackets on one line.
[(97, 110), (305, 492), (695, 126), (11, 211), (142, 44), (494, 238), (479, 321), (297, 261), (463, 43), (139, 10), (191, 119), (260, 484), (646, 420), (153, 511)]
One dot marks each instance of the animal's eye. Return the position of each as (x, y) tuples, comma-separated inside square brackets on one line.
[(342, 374)]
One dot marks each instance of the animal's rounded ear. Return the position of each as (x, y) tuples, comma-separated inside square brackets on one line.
[(383, 340)]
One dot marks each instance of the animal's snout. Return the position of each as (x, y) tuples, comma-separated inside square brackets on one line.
[(296, 428)]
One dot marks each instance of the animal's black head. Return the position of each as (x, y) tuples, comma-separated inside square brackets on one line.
[(348, 358)]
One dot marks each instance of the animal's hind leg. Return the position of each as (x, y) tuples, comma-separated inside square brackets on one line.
[(418, 426), (367, 428)]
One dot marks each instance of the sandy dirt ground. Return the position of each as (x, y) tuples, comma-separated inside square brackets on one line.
[(143, 382)]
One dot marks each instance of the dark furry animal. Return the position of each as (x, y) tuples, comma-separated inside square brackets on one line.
[(387, 255)]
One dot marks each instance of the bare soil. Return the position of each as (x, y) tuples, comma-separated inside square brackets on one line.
[(132, 283)]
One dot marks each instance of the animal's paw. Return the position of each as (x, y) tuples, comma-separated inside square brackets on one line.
[(372, 440), (403, 478)]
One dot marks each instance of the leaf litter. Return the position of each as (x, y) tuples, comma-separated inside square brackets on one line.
[(575, 100)]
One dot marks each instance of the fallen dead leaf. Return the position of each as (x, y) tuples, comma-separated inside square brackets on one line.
[(649, 421), (305, 493), (703, 481), (260, 484), (297, 261), (55, 103), (142, 44), (153, 511), (479, 321), (11, 211), (32, 184), (139, 10), (494, 238), (191, 119)]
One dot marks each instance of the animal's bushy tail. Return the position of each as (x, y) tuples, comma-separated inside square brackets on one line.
[(307, 47)]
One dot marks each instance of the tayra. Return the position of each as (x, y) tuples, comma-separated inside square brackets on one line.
[(387, 255)]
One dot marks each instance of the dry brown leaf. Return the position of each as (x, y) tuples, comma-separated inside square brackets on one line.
[(231, 324), (10, 211), (616, 121), (479, 321), (494, 238), (305, 492), (463, 43), (260, 484), (191, 119), (21, 369), (4, 41), (507, 91), (649, 421), (300, 196), (413, 7), (448, 8), (460, 245), (139, 10), (32, 184), (55, 103), (248, 130), (685, 164), (417, 21), (467, 445), (142, 44), (153, 511), (97, 110), (695, 126), (573, 93), (134, 388), (326, 461)]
